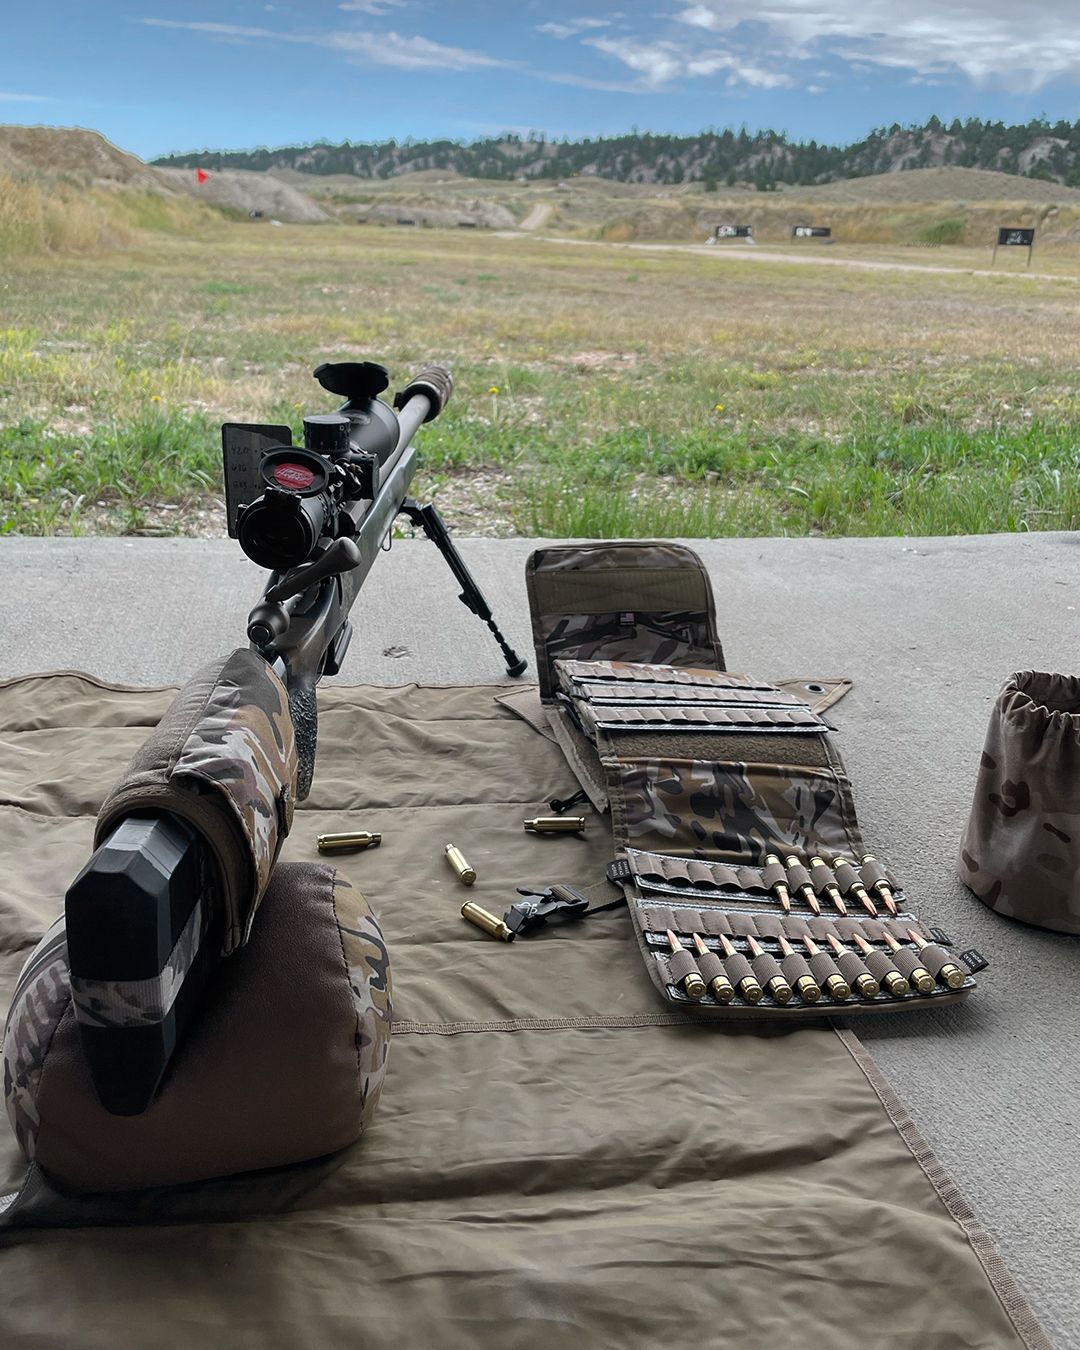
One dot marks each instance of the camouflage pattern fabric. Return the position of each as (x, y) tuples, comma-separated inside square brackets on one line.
[(223, 758), (1020, 852), (625, 601), (244, 744), (655, 555), (678, 638), (369, 979), (730, 812), (139, 1003), (41, 999)]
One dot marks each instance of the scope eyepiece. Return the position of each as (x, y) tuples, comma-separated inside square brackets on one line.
[(281, 527), (279, 530)]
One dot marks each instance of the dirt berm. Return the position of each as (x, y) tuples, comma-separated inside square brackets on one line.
[(245, 190)]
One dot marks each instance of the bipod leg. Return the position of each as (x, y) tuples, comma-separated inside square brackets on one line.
[(433, 525)]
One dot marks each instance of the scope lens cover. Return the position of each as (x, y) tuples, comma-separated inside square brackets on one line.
[(301, 472)]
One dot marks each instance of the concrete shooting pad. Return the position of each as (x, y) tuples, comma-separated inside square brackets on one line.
[(928, 629)]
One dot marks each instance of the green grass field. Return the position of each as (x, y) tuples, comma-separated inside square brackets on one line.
[(600, 391)]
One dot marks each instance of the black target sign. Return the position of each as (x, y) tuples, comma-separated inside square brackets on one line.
[(811, 232), (733, 232), (1007, 236)]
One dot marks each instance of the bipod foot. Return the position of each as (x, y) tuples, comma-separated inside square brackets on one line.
[(433, 525)]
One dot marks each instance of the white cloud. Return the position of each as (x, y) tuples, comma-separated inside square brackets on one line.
[(380, 49), (656, 62), (1020, 46), (659, 63), (573, 27), (409, 53), (25, 98), (376, 8)]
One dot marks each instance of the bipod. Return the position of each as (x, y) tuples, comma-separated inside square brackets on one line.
[(433, 525)]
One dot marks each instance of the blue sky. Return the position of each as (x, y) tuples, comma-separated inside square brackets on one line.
[(156, 77)]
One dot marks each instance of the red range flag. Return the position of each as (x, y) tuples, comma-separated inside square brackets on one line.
[(201, 175)]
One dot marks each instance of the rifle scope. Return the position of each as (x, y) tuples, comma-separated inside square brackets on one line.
[(305, 489)]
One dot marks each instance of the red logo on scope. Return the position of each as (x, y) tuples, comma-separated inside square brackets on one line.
[(294, 476)]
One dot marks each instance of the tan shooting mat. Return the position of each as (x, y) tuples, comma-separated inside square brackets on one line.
[(556, 1161)]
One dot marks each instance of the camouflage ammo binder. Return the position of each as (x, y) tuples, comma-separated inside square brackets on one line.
[(751, 888)]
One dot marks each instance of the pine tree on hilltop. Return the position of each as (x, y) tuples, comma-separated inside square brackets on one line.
[(733, 156)]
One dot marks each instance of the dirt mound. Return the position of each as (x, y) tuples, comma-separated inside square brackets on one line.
[(73, 154), (248, 191), (936, 185), (486, 215)]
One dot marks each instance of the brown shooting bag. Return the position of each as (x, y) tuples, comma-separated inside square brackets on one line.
[(1020, 852), (286, 1057), (707, 773)]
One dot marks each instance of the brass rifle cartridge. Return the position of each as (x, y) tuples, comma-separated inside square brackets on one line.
[(768, 972), (347, 842), (712, 972), (692, 983), (938, 961), (909, 965), (778, 886), (882, 969), (556, 825), (848, 881), (875, 881), (740, 972), (799, 878), (825, 883), (480, 918), (827, 973), (797, 973), (853, 969), (464, 873)]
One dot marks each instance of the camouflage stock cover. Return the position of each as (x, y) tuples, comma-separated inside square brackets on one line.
[(731, 812), (1020, 852), (223, 758), (622, 601)]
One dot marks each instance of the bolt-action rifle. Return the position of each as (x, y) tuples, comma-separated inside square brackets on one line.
[(316, 516)]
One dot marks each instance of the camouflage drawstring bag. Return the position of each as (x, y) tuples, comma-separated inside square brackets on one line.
[(1020, 852)]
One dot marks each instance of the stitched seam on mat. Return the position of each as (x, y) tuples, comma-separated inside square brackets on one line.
[(545, 1024), (1002, 1281)]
